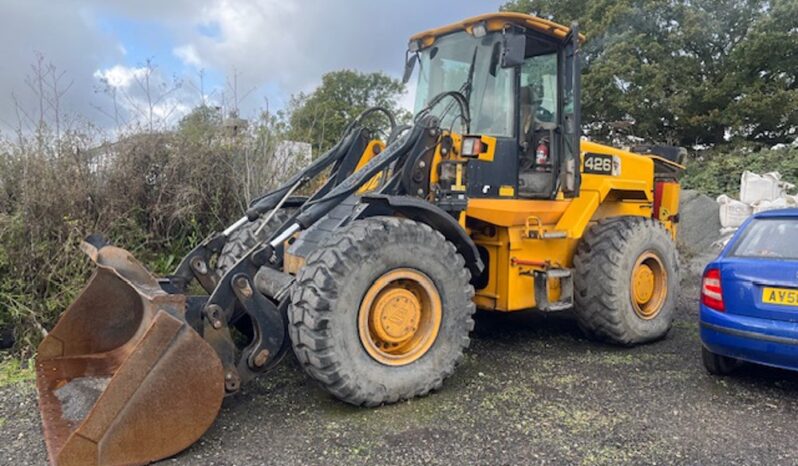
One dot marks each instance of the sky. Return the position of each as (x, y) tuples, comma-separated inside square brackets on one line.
[(273, 48)]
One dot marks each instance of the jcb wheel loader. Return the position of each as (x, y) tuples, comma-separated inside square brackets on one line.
[(490, 200)]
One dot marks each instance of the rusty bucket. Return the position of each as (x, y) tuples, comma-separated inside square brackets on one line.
[(123, 378)]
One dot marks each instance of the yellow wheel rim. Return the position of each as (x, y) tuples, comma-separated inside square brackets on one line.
[(400, 317), (649, 286)]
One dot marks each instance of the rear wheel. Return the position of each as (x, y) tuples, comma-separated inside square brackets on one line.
[(626, 281), (716, 364), (382, 311)]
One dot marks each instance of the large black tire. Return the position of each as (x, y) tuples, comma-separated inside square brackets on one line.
[(716, 364), (243, 239), (323, 317), (604, 262)]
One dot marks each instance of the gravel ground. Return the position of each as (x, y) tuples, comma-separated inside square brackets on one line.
[(531, 390)]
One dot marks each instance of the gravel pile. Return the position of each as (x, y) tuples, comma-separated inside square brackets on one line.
[(78, 396), (699, 224)]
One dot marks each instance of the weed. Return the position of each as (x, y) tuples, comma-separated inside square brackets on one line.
[(12, 372)]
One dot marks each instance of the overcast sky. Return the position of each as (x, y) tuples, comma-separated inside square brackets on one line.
[(277, 47)]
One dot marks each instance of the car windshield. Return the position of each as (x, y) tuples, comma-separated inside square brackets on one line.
[(775, 238), (445, 67)]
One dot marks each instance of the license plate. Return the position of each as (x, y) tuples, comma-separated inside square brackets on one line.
[(782, 296)]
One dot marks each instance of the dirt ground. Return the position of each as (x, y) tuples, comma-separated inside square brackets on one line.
[(531, 390)]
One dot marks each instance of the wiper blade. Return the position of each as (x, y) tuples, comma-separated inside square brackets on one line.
[(469, 84)]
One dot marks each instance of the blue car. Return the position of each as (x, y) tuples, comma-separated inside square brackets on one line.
[(749, 296)]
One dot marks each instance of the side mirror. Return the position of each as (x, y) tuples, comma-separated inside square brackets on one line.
[(513, 49), (410, 64)]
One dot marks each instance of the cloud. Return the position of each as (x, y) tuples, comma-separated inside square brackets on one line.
[(188, 54), (277, 47), (64, 35), (291, 46), (144, 95), (120, 76)]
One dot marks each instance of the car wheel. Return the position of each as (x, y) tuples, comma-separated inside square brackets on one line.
[(716, 364)]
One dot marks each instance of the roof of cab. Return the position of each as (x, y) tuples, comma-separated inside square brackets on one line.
[(780, 213), (495, 22)]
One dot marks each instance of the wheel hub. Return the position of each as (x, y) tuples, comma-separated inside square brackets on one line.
[(644, 284), (649, 285), (400, 317), (395, 316)]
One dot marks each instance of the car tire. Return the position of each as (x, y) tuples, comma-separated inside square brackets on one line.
[(717, 364)]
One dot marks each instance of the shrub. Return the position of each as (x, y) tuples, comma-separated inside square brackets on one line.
[(718, 171), (156, 193)]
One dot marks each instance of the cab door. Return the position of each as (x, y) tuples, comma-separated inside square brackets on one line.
[(549, 133)]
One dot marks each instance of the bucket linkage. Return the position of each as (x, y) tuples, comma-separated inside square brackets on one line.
[(136, 368)]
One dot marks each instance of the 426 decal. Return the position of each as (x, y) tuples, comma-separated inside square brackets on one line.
[(601, 164)]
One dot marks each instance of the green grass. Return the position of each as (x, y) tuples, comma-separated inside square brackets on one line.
[(12, 372)]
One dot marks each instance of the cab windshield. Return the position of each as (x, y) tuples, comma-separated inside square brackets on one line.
[(446, 67)]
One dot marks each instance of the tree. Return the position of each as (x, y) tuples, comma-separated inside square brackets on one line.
[(321, 116), (686, 71)]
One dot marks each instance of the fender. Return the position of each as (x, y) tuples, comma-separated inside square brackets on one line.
[(429, 214)]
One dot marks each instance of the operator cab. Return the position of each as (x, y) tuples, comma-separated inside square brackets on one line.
[(520, 75)]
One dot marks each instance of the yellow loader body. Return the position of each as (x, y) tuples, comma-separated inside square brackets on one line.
[(373, 279), (518, 244)]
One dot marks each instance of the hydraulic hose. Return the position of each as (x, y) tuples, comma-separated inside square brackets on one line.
[(268, 201), (319, 208), (458, 97), (388, 114)]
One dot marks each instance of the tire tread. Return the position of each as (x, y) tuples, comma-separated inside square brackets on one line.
[(315, 292), (599, 284)]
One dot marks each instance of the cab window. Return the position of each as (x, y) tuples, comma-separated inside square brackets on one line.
[(539, 89), (445, 67), (539, 107)]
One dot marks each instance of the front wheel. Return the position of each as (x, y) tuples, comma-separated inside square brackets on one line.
[(382, 311)]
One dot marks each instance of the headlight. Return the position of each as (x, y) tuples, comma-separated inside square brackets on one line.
[(480, 29), (471, 147)]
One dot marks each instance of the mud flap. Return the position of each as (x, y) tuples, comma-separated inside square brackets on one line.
[(123, 378)]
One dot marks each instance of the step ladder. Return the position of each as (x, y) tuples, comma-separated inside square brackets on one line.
[(542, 278)]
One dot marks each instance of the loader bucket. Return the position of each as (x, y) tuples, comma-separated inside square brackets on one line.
[(123, 378)]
